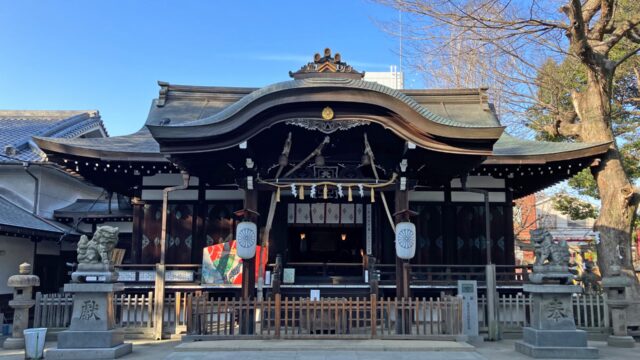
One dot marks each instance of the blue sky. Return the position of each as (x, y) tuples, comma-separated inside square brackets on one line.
[(108, 55)]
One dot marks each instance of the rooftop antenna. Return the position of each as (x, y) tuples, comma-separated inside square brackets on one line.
[(397, 74)]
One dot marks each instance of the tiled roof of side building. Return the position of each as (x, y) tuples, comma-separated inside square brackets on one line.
[(15, 217), (18, 126)]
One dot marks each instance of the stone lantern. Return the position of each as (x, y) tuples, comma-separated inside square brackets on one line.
[(617, 288), (22, 285)]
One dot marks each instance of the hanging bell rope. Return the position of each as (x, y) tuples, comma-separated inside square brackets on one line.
[(369, 152)]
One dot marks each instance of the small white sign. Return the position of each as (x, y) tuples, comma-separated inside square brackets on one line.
[(127, 276), (314, 294), (289, 276), (146, 276), (179, 275), (267, 277), (91, 278)]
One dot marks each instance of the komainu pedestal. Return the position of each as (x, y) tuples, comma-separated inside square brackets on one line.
[(552, 332), (92, 333)]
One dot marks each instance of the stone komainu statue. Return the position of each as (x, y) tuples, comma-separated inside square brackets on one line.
[(98, 249), (548, 251)]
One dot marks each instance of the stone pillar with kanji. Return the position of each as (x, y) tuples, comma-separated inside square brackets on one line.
[(92, 333), (552, 331)]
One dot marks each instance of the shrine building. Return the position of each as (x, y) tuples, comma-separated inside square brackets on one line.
[(326, 164)]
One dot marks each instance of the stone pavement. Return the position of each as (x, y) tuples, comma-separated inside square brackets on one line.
[(332, 349)]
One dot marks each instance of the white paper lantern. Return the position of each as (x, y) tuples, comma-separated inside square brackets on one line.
[(405, 240), (246, 239)]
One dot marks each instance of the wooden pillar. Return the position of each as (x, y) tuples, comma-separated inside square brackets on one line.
[(249, 265), (136, 233), (199, 231), (509, 249), (403, 283), (449, 253)]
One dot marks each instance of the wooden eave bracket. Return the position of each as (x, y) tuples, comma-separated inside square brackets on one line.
[(406, 213), (245, 213)]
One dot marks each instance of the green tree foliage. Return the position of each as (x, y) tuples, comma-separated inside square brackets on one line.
[(573, 207), (555, 82)]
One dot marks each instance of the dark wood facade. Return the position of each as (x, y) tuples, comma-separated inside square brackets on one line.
[(407, 150)]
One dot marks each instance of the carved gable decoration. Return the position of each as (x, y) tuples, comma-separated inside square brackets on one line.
[(327, 66)]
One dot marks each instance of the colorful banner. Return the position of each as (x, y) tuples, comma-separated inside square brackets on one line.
[(221, 265)]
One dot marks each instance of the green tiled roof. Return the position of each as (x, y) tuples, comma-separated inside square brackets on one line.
[(331, 82), (509, 145)]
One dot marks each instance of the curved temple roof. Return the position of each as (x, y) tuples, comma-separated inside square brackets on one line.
[(186, 121), (377, 103), (188, 106)]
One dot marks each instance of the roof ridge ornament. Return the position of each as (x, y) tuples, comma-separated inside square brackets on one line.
[(327, 66)]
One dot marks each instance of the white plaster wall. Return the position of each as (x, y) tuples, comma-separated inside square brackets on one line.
[(13, 252), (151, 194), (426, 196), (17, 186), (168, 180), (462, 196), (57, 189), (482, 182)]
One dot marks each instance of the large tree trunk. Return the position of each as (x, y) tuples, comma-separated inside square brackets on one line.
[(618, 204)]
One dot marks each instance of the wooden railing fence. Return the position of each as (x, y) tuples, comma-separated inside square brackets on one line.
[(514, 312), (327, 317), (200, 314), (134, 312)]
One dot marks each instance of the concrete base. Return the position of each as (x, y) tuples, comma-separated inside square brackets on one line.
[(475, 340), (13, 343), (562, 344), (621, 341), (552, 352), (83, 354), (554, 338), (251, 344), (90, 339)]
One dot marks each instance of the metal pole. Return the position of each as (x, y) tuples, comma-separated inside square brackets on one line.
[(158, 300), (490, 268)]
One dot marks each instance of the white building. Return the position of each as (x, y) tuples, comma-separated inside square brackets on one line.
[(32, 189), (391, 78)]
